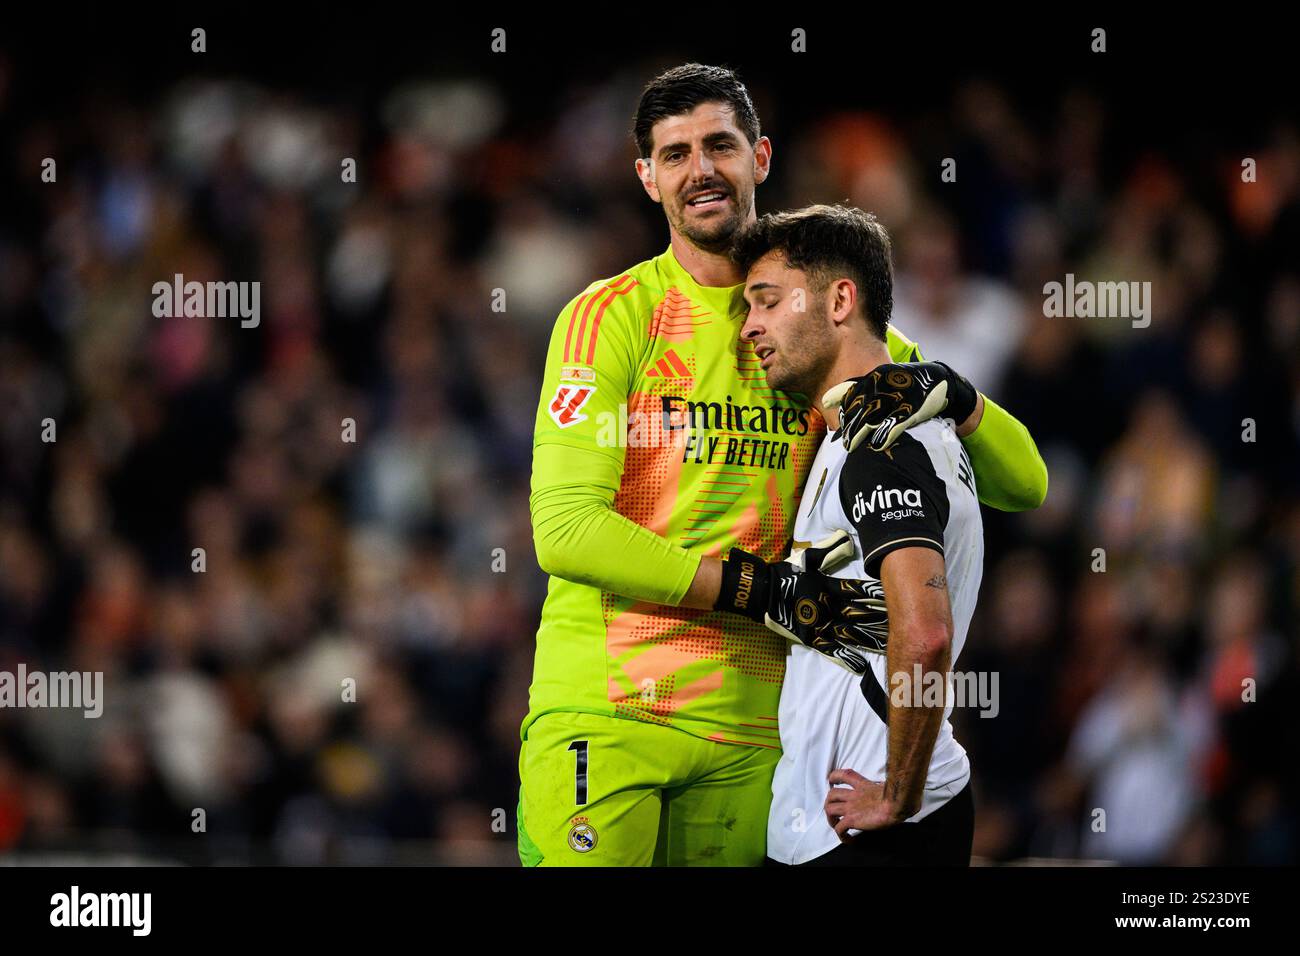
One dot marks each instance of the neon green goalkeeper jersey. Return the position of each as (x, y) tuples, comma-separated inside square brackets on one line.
[(649, 370)]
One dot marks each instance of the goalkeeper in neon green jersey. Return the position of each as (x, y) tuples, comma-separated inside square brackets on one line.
[(651, 735)]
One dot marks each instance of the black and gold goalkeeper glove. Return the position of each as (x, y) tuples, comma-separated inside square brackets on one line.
[(839, 617), (878, 407)]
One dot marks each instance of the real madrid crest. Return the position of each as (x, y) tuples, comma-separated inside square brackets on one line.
[(582, 837)]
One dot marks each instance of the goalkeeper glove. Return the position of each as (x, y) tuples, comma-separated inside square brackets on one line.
[(890, 399), (838, 617)]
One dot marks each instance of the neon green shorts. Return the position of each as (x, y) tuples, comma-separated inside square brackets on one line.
[(607, 791)]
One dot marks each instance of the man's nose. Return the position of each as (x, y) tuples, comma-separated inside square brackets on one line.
[(701, 165), (752, 328)]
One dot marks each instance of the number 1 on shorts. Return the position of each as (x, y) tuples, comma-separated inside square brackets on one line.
[(580, 772)]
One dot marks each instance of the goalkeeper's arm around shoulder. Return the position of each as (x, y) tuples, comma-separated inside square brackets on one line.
[(877, 407)]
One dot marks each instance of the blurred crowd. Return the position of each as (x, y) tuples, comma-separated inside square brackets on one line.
[(340, 674)]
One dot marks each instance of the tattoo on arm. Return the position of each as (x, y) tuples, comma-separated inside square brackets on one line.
[(938, 581)]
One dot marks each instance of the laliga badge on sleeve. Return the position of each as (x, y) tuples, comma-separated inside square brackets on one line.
[(566, 406)]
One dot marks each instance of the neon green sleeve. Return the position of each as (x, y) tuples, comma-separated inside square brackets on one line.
[(594, 356), (579, 536), (1009, 471)]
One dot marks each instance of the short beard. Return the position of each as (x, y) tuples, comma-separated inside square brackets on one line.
[(814, 356), (719, 238)]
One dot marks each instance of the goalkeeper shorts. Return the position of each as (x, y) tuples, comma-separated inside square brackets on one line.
[(609, 791)]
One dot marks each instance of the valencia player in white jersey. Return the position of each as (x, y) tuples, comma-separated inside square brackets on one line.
[(867, 776)]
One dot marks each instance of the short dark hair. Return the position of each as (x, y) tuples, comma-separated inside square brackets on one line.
[(685, 87), (828, 242)]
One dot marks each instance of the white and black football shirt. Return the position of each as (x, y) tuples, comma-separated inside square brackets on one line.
[(921, 493)]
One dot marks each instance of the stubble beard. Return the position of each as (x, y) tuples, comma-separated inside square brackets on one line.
[(717, 237), (802, 367)]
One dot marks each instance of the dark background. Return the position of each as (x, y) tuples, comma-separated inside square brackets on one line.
[(481, 171)]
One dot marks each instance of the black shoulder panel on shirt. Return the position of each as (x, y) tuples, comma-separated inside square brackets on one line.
[(895, 499)]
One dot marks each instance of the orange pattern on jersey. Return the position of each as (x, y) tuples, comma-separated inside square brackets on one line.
[(750, 369), (648, 658), (718, 738), (802, 456), (754, 531), (666, 699), (674, 317), (689, 635), (651, 466), (582, 311), (644, 623)]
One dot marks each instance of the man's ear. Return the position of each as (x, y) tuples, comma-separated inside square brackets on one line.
[(842, 295), (762, 159), (645, 171)]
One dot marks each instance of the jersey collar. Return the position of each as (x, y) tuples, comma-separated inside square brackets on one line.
[(723, 300)]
